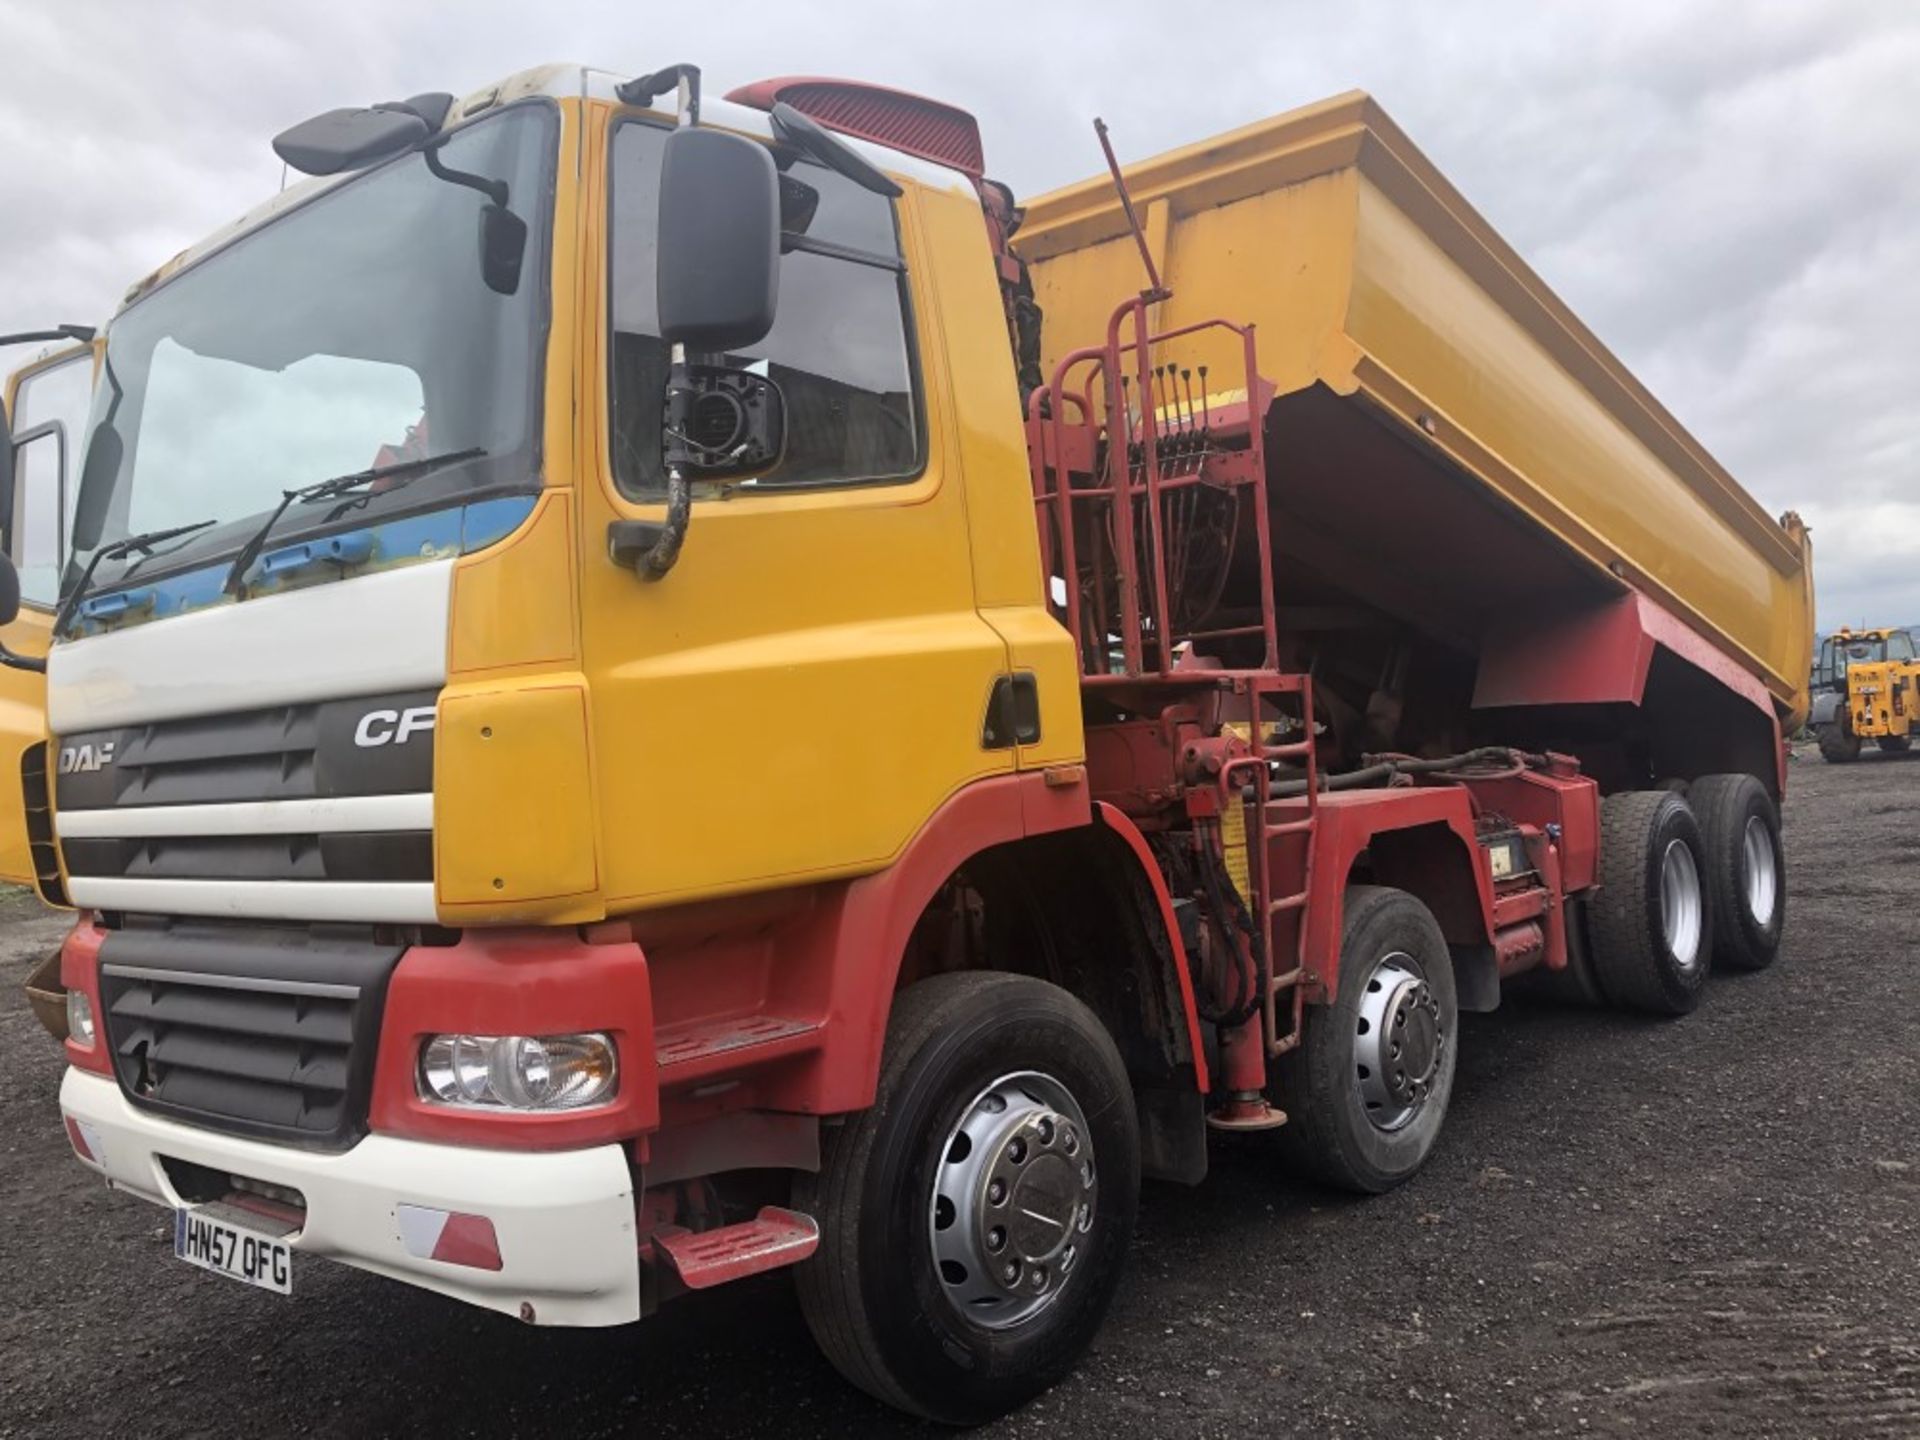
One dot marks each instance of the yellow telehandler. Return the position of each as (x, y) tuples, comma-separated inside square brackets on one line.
[(1867, 687)]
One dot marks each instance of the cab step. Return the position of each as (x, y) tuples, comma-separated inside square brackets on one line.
[(773, 1238), (705, 1048)]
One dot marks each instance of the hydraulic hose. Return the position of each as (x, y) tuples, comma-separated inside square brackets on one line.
[(1230, 914), (1488, 762)]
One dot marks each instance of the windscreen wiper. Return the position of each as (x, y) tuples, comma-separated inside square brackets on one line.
[(403, 471), (142, 543)]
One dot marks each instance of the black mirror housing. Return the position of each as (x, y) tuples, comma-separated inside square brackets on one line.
[(105, 451), (718, 267), (349, 139), (9, 590), (503, 246)]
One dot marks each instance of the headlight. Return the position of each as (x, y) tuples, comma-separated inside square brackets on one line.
[(80, 1018), (518, 1072)]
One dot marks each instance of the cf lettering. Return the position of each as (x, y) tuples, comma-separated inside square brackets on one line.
[(392, 727)]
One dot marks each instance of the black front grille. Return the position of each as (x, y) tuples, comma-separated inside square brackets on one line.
[(336, 855), (290, 752), (262, 1031)]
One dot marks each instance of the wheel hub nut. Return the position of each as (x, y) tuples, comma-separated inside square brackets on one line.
[(1034, 1195)]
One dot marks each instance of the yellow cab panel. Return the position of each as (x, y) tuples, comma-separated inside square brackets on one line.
[(811, 681), (47, 402)]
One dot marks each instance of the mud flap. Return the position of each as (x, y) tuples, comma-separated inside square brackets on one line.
[(1173, 1134)]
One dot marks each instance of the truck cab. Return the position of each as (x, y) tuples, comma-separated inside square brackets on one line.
[(374, 747)]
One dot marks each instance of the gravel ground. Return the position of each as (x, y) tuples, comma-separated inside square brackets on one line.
[(1704, 1227)]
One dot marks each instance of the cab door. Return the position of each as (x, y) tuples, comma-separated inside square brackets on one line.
[(810, 683), (46, 404)]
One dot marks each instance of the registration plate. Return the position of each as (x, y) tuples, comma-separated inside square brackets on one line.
[(233, 1251)]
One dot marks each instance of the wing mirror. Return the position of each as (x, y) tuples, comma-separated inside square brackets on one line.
[(717, 282), (9, 612), (718, 270)]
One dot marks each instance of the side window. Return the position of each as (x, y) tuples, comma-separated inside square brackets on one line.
[(841, 350), (49, 422), (1900, 646), (1823, 671)]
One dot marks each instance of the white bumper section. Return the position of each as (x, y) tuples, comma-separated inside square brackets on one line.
[(564, 1219)]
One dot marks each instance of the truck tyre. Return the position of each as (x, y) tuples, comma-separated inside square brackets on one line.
[(1838, 745), (1366, 1090), (1896, 744), (974, 1220), (1746, 869), (1651, 920)]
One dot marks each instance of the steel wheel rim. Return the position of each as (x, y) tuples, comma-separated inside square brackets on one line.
[(1682, 906), (1761, 869), (1399, 1042), (1014, 1197)]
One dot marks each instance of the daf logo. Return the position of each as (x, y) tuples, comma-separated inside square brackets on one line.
[(85, 757), (387, 727)]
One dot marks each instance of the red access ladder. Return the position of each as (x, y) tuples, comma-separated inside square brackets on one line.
[(1278, 914)]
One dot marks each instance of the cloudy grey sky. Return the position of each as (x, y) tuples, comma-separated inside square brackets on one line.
[(1728, 191)]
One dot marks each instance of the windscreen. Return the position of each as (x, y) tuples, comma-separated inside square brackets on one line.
[(357, 330)]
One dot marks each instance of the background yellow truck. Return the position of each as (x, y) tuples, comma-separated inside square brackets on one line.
[(41, 426), (1866, 687), (655, 688), (43, 415)]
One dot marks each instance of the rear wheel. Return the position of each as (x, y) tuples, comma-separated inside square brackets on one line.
[(1838, 745), (1651, 920), (1366, 1090), (974, 1220), (1896, 744), (1745, 869)]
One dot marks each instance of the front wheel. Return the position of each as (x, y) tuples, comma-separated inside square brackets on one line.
[(1895, 744), (1838, 744), (1367, 1088), (974, 1220)]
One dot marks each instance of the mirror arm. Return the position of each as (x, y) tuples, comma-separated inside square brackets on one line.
[(14, 660), (805, 134), (645, 89), (494, 190), (81, 333), (650, 548)]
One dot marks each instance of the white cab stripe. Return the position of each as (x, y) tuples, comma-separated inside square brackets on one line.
[(363, 900), (251, 817), (365, 636)]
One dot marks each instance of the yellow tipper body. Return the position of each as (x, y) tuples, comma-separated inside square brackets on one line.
[(1375, 287)]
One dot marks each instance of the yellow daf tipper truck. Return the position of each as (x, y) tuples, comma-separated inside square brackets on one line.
[(1866, 687), (653, 688)]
